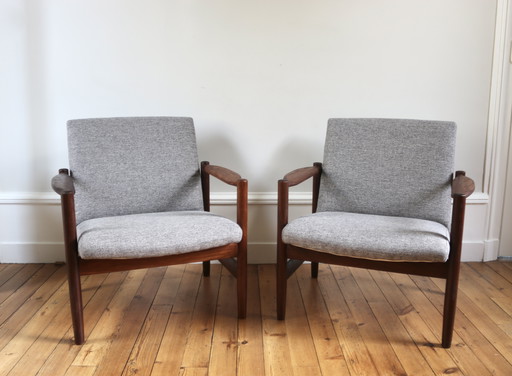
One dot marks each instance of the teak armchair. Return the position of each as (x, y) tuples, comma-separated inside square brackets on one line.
[(381, 200), (136, 197)]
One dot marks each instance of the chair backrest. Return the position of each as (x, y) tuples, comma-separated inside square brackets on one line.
[(391, 167), (133, 165)]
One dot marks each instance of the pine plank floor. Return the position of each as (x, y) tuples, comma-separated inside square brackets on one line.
[(172, 321)]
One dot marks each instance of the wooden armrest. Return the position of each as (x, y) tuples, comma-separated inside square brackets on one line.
[(301, 174), (462, 186), (289, 180), (223, 174), (232, 178), (63, 183)]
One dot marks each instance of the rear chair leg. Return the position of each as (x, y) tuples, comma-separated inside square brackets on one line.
[(281, 282), (314, 269), (206, 268)]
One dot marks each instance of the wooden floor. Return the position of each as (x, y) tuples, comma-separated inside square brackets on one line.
[(171, 321)]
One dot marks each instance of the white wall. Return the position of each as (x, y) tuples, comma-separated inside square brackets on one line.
[(260, 78)]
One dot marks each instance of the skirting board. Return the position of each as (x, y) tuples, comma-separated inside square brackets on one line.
[(36, 207), (259, 253), (42, 252), (491, 248)]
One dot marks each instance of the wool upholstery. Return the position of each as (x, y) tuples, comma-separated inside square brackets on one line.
[(370, 236), (154, 234)]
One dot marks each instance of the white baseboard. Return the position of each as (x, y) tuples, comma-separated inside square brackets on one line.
[(472, 251), (261, 253), (491, 249), (258, 253), (50, 252), (41, 252), (39, 213), (265, 253)]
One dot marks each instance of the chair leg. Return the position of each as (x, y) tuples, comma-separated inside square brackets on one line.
[(242, 292), (241, 283), (206, 268), (314, 269), (449, 310), (75, 300)]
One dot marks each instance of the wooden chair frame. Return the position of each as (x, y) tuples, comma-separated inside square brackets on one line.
[(290, 257), (233, 256)]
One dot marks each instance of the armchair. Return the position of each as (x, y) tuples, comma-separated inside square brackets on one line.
[(381, 200), (135, 197)]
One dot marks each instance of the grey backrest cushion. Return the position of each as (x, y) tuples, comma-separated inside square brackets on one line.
[(391, 167), (133, 165)]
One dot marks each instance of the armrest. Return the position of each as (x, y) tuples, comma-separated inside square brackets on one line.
[(223, 174), (232, 178), (63, 183), (462, 186), (64, 186), (289, 180), (301, 174)]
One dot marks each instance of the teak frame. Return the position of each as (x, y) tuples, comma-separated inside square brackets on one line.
[(289, 257), (233, 256)]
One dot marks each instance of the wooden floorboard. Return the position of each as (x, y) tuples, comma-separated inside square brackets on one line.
[(173, 321)]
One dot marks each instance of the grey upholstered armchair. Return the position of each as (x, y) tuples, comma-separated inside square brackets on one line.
[(136, 197), (381, 200)]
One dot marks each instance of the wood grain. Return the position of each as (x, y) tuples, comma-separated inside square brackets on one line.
[(173, 321)]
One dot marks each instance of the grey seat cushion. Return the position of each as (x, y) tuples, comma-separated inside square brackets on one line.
[(154, 234), (372, 237)]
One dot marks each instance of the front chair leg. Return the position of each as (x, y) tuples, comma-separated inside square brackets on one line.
[(242, 292), (75, 300), (241, 284), (449, 310)]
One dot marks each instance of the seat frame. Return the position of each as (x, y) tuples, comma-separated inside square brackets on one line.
[(233, 256), (290, 258)]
